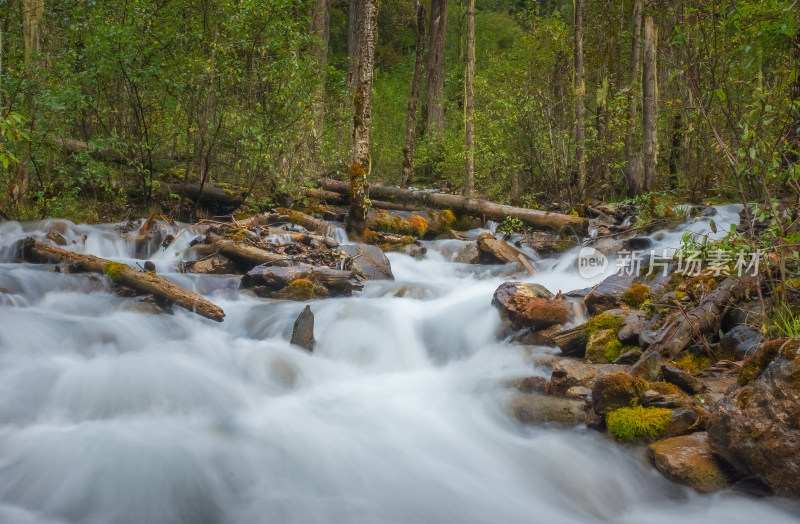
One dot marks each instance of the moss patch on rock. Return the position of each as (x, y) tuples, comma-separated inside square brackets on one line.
[(636, 295), (636, 424), (755, 364), (302, 289), (692, 362), (602, 344)]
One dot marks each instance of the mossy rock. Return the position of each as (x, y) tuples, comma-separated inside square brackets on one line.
[(754, 365), (637, 424), (616, 390), (692, 362), (602, 342), (636, 295), (114, 270), (302, 289)]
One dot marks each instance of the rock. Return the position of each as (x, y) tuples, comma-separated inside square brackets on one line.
[(213, 265), (756, 426), (751, 312), (149, 266), (616, 390), (638, 243), (648, 367), (609, 246), (682, 421), (688, 460), (578, 393), (494, 251), (544, 243), (415, 251), (529, 306), (533, 384), (741, 342), (369, 262), (539, 409), (629, 358), (568, 373), (578, 293), (56, 238), (682, 378), (303, 330), (608, 293), (635, 325)]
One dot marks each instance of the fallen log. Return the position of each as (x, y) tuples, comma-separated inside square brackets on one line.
[(121, 274), (72, 146), (307, 221), (340, 199), (492, 250), (241, 252), (470, 206), (703, 319), (217, 199), (272, 279), (571, 342)]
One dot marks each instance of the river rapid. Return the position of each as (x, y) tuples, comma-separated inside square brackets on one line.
[(112, 414)]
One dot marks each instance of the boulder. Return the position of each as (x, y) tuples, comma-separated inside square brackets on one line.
[(682, 378), (756, 426), (629, 357), (56, 238), (532, 384), (568, 373), (531, 306), (741, 342), (616, 390), (544, 409), (578, 393), (368, 261), (688, 460), (608, 293), (213, 265), (303, 330)]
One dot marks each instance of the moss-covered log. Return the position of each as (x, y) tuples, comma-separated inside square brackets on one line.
[(470, 206), (121, 274)]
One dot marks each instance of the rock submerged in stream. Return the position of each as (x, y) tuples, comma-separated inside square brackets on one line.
[(687, 459), (303, 330), (544, 409), (369, 261)]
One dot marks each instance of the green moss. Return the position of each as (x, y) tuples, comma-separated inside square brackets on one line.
[(666, 388), (114, 270), (636, 423), (617, 390), (636, 295), (692, 362), (755, 364), (302, 289), (607, 348)]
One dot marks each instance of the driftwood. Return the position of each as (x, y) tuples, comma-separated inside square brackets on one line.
[(341, 199), (121, 274), (703, 319), (276, 278), (241, 252), (571, 342), (491, 250), (307, 221), (470, 206)]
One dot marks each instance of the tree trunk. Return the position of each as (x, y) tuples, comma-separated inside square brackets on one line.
[(32, 33), (580, 99), (649, 95), (470, 206), (122, 274), (411, 116), (675, 150), (354, 15), (633, 171), (434, 120), (320, 27), (469, 83), (361, 162)]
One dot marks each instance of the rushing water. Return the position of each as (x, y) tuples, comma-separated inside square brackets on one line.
[(111, 414)]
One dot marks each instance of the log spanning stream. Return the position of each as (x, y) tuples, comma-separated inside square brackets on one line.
[(112, 414)]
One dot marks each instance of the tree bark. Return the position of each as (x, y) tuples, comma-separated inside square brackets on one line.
[(413, 101), (469, 84), (470, 206), (580, 99), (320, 27), (32, 32), (243, 252), (434, 119), (649, 97), (361, 162), (122, 274), (633, 170)]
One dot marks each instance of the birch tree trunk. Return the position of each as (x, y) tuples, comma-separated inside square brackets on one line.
[(649, 98), (469, 129), (580, 99), (633, 166), (413, 101), (434, 120), (360, 165)]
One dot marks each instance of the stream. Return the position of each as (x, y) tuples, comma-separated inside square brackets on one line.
[(112, 414)]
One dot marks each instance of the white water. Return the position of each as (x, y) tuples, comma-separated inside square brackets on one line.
[(112, 415)]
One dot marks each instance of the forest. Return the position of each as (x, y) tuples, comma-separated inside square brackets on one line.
[(399, 261), (103, 105)]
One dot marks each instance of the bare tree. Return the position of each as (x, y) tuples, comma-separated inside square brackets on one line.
[(320, 27), (580, 99), (434, 120), (633, 166), (469, 81), (360, 165), (413, 101), (649, 100)]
